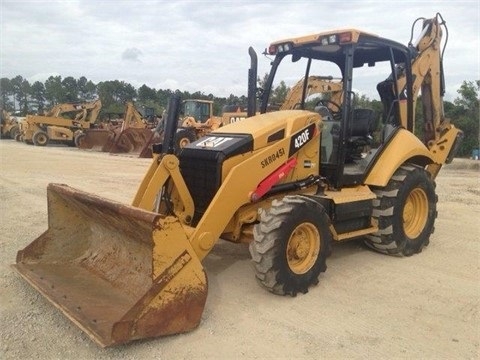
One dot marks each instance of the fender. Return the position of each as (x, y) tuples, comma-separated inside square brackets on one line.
[(403, 147)]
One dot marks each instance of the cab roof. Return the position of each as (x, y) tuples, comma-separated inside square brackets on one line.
[(315, 38), (369, 48)]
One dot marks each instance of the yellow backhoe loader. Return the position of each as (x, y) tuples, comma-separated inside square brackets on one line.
[(129, 137), (9, 128), (290, 183), (55, 126)]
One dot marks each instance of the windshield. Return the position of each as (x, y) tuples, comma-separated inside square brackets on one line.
[(324, 79), (200, 111)]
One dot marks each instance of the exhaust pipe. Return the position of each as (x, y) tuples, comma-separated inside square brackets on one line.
[(252, 83)]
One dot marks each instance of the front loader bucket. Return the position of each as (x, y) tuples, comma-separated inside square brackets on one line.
[(131, 140), (96, 139), (118, 272)]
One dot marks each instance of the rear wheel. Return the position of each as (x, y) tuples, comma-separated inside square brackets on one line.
[(291, 244), (40, 138), (405, 210)]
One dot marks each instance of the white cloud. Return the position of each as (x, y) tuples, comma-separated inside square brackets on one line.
[(131, 54)]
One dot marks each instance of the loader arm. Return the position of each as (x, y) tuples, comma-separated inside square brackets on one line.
[(156, 178)]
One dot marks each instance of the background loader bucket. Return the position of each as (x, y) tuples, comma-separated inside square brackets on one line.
[(146, 151), (120, 273), (97, 139), (131, 140)]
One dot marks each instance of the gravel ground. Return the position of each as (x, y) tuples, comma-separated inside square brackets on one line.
[(367, 305)]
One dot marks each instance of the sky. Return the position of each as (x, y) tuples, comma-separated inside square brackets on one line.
[(203, 45)]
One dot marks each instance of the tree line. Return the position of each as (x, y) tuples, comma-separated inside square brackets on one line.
[(18, 96)]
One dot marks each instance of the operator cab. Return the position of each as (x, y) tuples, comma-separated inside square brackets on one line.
[(200, 110), (356, 126)]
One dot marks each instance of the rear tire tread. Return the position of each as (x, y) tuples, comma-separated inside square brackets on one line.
[(384, 212)]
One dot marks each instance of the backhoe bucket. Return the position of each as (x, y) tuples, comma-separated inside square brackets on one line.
[(131, 140), (96, 139), (118, 272)]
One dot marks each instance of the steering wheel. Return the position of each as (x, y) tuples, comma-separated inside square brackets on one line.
[(334, 108)]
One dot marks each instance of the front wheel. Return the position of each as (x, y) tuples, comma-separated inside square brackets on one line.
[(405, 210), (40, 138), (291, 244)]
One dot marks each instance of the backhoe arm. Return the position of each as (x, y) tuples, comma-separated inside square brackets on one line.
[(427, 76), (315, 85), (440, 137)]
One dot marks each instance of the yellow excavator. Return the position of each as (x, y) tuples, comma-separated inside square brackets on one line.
[(128, 137), (56, 126), (290, 183)]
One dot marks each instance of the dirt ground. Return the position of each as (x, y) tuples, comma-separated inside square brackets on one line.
[(367, 305)]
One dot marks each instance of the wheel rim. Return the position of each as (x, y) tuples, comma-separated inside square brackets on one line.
[(415, 213), (41, 139), (303, 248)]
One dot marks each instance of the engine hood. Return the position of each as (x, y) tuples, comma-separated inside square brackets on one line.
[(265, 129), (252, 134)]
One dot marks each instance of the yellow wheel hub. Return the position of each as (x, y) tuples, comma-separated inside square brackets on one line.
[(415, 213), (303, 248)]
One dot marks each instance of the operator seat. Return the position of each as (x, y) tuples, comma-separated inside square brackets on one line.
[(362, 128)]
